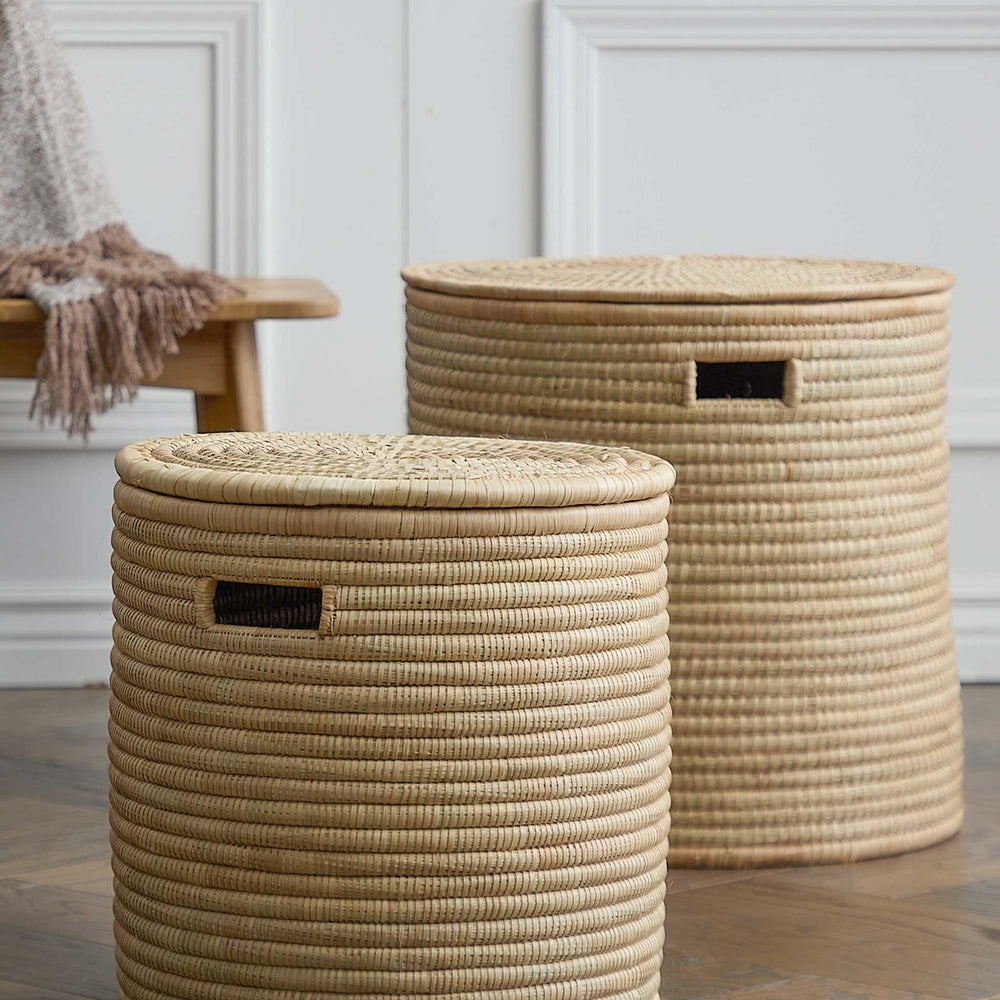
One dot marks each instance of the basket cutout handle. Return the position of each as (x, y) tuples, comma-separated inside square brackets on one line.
[(773, 379), (739, 379), (259, 605)]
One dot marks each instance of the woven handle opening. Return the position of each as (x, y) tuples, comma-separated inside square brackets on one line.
[(266, 605), (740, 379)]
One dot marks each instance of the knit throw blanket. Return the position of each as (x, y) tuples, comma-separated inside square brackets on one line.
[(113, 308)]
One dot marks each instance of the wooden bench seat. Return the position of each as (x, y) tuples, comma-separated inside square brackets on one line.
[(217, 363)]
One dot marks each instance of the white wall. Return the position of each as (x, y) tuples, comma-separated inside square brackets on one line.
[(802, 129), (398, 130)]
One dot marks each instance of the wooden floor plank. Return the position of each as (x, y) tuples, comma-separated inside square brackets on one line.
[(73, 733), (924, 926), (19, 991), (690, 879), (64, 913), (57, 964), (973, 855), (812, 988), (21, 710), (57, 783), (93, 877), (47, 835), (792, 931), (75, 748), (981, 898)]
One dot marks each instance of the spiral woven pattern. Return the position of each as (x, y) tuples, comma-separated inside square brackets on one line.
[(363, 751), (815, 696), (388, 471)]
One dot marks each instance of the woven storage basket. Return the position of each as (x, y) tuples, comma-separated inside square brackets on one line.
[(390, 718), (816, 712)]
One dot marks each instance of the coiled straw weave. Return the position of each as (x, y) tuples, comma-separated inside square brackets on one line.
[(426, 755), (816, 712)]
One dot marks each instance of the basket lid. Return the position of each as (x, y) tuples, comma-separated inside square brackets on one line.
[(308, 470), (683, 279)]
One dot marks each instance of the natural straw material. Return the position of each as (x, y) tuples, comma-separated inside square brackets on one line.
[(816, 712), (684, 279), (390, 717)]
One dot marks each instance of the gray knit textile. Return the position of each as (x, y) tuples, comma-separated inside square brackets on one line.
[(113, 308)]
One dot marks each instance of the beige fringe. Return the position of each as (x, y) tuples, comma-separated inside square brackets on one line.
[(99, 350)]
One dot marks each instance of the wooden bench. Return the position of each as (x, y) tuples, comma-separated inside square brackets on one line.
[(218, 363)]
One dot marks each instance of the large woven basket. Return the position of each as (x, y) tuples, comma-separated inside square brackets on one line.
[(390, 718), (816, 712)]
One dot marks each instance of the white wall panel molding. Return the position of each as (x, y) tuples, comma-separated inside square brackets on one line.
[(628, 84), (577, 32), (233, 30)]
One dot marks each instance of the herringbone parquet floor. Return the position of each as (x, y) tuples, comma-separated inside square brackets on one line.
[(924, 925)]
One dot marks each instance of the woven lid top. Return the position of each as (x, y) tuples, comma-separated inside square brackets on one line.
[(686, 279), (307, 470)]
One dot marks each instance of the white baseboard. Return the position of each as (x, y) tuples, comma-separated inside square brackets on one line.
[(154, 413), (59, 635), (979, 658), (973, 418), (63, 663), (54, 634), (976, 611)]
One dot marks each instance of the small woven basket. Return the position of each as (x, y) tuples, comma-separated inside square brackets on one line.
[(816, 711), (389, 718)]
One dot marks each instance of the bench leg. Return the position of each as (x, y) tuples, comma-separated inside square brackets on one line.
[(240, 407)]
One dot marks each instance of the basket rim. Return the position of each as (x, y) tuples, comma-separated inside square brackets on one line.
[(292, 469), (679, 278)]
